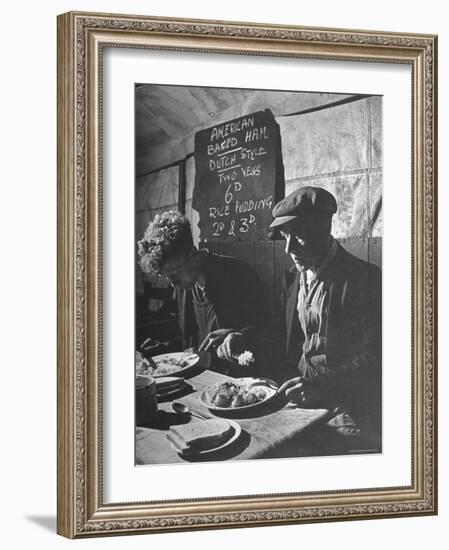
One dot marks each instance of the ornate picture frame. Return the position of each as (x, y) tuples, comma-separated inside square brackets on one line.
[(82, 40)]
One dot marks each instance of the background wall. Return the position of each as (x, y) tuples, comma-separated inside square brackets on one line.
[(28, 275), (330, 140)]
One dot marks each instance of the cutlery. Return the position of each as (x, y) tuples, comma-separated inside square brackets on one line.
[(184, 409)]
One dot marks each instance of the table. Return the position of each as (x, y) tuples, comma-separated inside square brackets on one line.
[(262, 437)]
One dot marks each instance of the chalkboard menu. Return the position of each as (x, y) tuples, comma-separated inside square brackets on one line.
[(239, 177)]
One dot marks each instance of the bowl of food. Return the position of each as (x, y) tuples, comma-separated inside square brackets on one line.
[(240, 395)]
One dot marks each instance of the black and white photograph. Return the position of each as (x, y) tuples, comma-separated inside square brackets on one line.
[(247, 284), (258, 238), (233, 329)]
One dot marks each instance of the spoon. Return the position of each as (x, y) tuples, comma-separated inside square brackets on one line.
[(184, 409)]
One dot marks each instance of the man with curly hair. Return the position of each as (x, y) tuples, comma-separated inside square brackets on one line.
[(221, 304)]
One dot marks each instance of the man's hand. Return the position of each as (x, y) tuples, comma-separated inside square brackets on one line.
[(214, 339), (303, 392), (231, 346)]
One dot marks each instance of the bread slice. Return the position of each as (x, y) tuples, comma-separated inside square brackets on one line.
[(200, 435)]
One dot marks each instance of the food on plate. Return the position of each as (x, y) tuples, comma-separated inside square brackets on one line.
[(222, 393), (167, 364), (142, 364), (164, 364), (239, 393), (199, 436)]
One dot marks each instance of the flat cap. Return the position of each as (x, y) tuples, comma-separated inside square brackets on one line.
[(305, 200)]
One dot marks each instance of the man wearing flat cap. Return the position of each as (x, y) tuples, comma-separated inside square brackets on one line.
[(333, 320)]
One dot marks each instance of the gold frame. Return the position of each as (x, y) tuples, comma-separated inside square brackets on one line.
[(81, 37)]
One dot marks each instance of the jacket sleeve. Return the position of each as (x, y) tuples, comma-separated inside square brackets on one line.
[(359, 374)]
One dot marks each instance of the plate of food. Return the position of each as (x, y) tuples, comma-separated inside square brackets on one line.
[(203, 438), (241, 394), (167, 364)]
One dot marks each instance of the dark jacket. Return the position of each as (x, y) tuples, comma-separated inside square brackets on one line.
[(237, 296), (350, 370)]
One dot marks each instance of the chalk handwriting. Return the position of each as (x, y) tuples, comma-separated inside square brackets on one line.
[(256, 133), (220, 132)]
